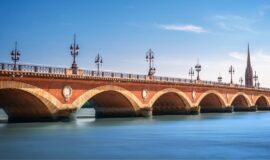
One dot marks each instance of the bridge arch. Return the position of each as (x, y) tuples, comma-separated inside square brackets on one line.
[(240, 101), (170, 101), (262, 102), (211, 101), (28, 102), (119, 101)]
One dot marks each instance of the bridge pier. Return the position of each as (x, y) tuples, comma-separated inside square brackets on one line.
[(228, 109), (245, 109), (263, 108), (225, 109), (146, 112), (114, 112), (52, 118), (65, 115), (30, 119), (195, 110), (59, 116)]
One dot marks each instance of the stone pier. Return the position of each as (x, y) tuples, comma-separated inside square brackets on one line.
[(245, 109)]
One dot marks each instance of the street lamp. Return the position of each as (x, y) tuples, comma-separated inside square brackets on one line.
[(198, 68), (219, 79), (255, 77), (74, 51), (150, 58), (98, 62), (191, 73), (258, 84), (231, 71), (241, 81), (15, 56)]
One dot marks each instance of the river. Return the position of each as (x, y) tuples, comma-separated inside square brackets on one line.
[(205, 136)]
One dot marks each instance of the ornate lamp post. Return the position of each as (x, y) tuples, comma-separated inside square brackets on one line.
[(231, 71), (241, 81), (150, 58), (219, 79), (255, 77), (15, 56), (191, 73), (198, 68), (74, 51), (258, 84), (98, 62)]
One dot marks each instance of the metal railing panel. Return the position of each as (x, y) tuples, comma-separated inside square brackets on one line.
[(62, 71)]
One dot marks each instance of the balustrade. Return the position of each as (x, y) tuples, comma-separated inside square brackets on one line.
[(89, 73)]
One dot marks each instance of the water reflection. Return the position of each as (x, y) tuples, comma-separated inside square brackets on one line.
[(205, 136)]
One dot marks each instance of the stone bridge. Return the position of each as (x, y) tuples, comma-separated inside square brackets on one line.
[(37, 93)]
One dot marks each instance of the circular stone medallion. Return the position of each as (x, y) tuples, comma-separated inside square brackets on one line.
[(193, 94), (144, 93), (67, 92)]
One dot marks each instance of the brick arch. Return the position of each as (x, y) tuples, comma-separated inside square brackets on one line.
[(248, 100), (51, 102), (219, 95), (81, 100), (181, 95), (262, 96), (170, 101)]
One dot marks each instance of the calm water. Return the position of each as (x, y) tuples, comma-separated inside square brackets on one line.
[(205, 136)]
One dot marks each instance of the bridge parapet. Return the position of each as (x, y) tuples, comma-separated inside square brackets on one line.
[(33, 68), (28, 68)]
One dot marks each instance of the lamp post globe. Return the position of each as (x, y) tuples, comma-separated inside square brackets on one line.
[(231, 71), (198, 68), (74, 52), (15, 56), (219, 79), (255, 77), (98, 62), (241, 81), (150, 58), (191, 73)]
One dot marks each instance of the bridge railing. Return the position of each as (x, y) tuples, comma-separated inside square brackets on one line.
[(171, 79), (33, 68), (108, 74), (7, 67), (215, 83)]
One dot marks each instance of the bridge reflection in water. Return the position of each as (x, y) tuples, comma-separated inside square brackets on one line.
[(38, 93)]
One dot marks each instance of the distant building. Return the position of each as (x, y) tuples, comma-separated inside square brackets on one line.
[(249, 72)]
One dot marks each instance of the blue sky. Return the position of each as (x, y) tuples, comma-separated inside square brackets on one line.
[(179, 32)]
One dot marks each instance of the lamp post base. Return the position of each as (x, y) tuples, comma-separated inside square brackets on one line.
[(74, 68)]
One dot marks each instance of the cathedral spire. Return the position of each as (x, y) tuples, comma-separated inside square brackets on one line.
[(248, 58), (249, 72)]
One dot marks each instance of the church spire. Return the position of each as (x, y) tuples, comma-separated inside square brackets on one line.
[(248, 58), (249, 72)]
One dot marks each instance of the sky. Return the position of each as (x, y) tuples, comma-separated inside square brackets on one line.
[(178, 31)]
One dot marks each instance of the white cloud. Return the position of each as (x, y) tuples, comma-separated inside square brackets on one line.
[(238, 56), (186, 28), (258, 56), (235, 23), (263, 10), (262, 57)]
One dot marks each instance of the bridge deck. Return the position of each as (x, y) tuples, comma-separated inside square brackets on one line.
[(37, 91)]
